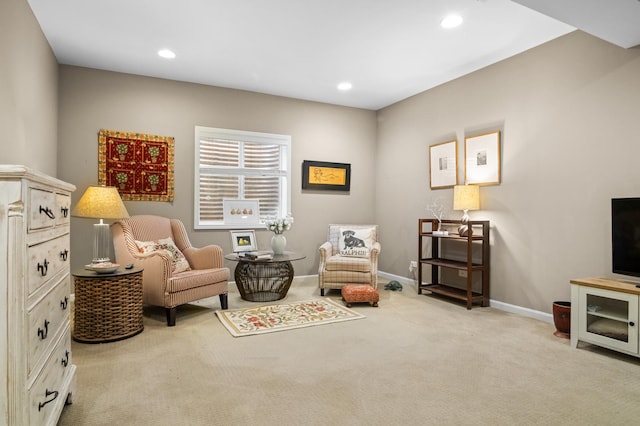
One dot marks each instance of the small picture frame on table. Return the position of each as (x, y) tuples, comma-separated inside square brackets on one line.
[(244, 240)]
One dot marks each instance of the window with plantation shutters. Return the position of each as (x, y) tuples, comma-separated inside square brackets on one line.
[(234, 164)]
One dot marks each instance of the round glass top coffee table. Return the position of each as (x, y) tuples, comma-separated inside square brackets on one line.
[(264, 280)]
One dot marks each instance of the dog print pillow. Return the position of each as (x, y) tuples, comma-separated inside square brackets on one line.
[(355, 242)]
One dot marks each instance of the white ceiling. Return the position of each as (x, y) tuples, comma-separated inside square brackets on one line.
[(388, 49), (616, 21)]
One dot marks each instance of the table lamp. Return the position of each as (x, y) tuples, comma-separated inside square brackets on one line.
[(101, 202), (466, 197)]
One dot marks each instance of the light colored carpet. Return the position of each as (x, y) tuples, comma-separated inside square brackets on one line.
[(274, 317), (415, 360)]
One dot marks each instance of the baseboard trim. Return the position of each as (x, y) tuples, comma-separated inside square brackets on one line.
[(304, 277), (401, 280), (526, 312)]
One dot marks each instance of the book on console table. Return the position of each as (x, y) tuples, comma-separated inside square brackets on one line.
[(256, 255)]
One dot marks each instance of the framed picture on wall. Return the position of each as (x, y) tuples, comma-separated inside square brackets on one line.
[(443, 165), (326, 176), (482, 159), (241, 212)]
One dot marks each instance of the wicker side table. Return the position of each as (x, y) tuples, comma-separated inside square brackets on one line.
[(264, 280), (107, 307)]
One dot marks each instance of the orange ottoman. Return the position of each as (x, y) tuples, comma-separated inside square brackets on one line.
[(360, 293)]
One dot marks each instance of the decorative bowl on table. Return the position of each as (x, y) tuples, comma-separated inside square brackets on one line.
[(103, 268)]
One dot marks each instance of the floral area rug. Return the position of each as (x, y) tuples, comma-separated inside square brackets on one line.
[(270, 318)]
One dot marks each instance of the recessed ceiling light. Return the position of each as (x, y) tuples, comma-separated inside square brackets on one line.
[(345, 85), (166, 53), (451, 21)]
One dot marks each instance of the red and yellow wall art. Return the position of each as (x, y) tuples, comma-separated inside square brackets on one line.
[(139, 165)]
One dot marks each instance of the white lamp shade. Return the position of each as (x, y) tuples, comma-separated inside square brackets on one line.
[(100, 202), (466, 197)]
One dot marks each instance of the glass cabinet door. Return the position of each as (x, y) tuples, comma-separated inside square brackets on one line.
[(609, 318)]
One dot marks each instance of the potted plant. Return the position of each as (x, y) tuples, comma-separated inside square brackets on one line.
[(153, 181), (278, 226), (122, 150)]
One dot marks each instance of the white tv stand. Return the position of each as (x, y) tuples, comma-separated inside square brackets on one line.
[(604, 312)]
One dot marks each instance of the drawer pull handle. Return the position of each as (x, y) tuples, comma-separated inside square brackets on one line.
[(64, 211), (43, 268), (47, 394), (65, 360), (48, 212), (64, 254), (631, 323), (43, 333), (64, 303)]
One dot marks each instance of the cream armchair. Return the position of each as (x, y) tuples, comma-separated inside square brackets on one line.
[(162, 286), (350, 256)]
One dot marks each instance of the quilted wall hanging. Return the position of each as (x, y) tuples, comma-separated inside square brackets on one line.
[(139, 165)]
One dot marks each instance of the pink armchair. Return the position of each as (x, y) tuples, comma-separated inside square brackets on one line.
[(161, 285), (346, 259)]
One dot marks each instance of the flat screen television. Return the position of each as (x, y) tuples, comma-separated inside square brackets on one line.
[(625, 236)]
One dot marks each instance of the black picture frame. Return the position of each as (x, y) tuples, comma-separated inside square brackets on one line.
[(325, 176)]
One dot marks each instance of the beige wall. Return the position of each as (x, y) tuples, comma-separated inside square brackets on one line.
[(567, 110), (92, 99), (569, 115), (28, 91)]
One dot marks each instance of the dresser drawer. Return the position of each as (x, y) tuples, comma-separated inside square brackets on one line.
[(36, 370), (49, 391), (44, 260), (45, 320), (63, 209), (42, 209)]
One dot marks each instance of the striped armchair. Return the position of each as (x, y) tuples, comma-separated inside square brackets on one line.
[(343, 259), (205, 275)]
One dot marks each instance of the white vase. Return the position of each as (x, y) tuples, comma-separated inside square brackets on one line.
[(278, 243)]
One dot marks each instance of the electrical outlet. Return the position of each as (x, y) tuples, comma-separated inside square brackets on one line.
[(413, 265), (462, 274)]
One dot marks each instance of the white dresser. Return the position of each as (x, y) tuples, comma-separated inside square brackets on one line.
[(36, 370)]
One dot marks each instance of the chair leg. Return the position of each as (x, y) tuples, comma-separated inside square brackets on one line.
[(224, 301), (171, 316), (322, 292)]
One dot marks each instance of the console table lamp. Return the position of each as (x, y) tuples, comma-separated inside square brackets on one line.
[(466, 197), (101, 202)]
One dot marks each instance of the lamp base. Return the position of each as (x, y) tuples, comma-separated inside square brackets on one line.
[(101, 241), (465, 230)]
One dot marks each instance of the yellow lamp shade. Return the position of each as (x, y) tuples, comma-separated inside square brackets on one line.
[(466, 197), (100, 202)]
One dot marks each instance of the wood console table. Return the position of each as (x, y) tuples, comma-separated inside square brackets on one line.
[(107, 307)]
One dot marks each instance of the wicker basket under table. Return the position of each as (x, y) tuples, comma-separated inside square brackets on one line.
[(107, 307)]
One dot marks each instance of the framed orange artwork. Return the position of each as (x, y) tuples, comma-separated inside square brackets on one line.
[(139, 165), (326, 176)]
